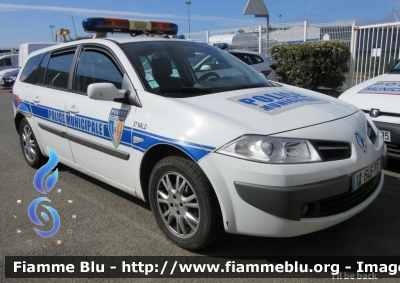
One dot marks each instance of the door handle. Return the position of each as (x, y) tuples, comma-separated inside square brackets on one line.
[(36, 99), (72, 110)]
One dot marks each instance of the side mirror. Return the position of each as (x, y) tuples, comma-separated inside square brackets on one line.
[(205, 68), (105, 91)]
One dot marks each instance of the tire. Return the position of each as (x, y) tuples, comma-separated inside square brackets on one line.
[(29, 145), (184, 204)]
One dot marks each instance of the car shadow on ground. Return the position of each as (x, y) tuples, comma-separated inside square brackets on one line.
[(393, 166), (365, 234), (111, 189)]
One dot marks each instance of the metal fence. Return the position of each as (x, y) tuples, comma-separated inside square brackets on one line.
[(371, 46), (374, 47), (256, 39)]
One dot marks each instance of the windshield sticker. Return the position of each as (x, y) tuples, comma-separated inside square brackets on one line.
[(383, 88), (276, 102), (153, 84)]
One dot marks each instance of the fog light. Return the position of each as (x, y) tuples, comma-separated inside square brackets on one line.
[(305, 208), (308, 210)]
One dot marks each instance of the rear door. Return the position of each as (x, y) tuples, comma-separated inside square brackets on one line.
[(48, 98)]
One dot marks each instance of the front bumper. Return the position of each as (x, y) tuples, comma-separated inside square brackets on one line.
[(394, 145), (266, 199), (8, 83), (314, 200)]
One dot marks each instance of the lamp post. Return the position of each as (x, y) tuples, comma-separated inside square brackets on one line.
[(279, 18), (52, 35), (188, 3)]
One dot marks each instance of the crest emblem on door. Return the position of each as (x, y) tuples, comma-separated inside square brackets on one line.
[(116, 123)]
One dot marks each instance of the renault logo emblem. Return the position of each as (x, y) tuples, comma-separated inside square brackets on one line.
[(374, 112), (361, 142)]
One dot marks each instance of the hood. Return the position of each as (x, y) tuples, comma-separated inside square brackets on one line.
[(271, 110), (382, 92), (6, 71)]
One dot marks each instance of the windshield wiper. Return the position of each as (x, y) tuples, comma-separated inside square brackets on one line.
[(185, 90), (249, 86), (394, 71)]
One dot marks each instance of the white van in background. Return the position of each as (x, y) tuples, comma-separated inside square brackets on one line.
[(27, 48), (8, 61)]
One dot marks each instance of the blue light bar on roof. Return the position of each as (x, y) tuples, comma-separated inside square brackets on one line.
[(221, 45), (128, 26)]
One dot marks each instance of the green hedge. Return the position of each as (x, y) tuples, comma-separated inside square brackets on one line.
[(312, 64)]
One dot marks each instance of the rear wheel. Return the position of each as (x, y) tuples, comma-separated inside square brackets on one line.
[(184, 203), (29, 145)]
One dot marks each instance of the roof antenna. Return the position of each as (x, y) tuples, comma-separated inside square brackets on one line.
[(100, 35), (395, 15), (74, 26)]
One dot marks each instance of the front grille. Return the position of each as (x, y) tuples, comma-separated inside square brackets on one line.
[(371, 133), (393, 149), (330, 150), (343, 202), (384, 113)]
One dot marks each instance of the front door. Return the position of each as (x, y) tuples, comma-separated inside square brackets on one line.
[(98, 130)]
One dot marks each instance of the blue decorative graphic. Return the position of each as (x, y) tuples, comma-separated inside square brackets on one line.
[(54, 214), (44, 170), (49, 184)]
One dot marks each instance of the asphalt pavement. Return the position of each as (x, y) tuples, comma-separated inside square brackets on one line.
[(99, 220)]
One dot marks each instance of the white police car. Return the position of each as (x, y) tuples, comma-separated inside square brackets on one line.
[(210, 153), (380, 99), (257, 61)]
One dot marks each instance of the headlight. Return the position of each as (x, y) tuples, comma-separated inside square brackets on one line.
[(271, 150), (369, 121)]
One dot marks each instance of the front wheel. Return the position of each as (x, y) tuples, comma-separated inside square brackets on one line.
[(184, 204), (29, 145)]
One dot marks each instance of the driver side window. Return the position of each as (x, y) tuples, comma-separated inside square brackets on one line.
[(96, 67), (161, 71)]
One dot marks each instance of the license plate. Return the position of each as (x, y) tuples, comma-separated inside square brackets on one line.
[(366, 174), (386, 136)]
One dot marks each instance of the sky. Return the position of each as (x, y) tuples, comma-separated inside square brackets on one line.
[(29, 21)]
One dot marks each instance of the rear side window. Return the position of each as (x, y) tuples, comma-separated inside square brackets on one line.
[(29, 71), (58, 69), (257, 59), (249, 59), (5, 62), (42, 69)]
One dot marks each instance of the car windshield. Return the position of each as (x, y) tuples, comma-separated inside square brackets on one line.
[(185, 69), (395, 69)]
